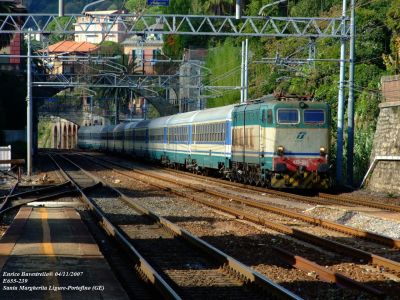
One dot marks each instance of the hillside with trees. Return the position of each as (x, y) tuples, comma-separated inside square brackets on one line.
[(377, 54)]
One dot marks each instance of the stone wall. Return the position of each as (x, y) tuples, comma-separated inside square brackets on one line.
[(385, 177), (391, 88)]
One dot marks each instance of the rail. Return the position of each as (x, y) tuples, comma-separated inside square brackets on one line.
[(365, 256), (251, 276)]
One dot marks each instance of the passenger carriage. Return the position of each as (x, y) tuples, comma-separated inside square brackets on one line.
[(118, 137), (141, 139), (158, 138), (283, 144), (178, 138), (211, 139)]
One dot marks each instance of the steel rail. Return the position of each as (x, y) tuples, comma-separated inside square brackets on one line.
[(140, 263), (43, 198), (333, 199), (346, 199), (323, 273), (7, 198), (364, 256), (250, 275), (39, 190), (351, 231)]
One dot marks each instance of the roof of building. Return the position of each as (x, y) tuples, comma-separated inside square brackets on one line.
[(136, 40), (71, 46)]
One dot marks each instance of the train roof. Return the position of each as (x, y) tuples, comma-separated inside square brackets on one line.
[(160, 122), (142, 124), (182, 118), (132, 124), (215, 114), (95, 128), (120, 127)]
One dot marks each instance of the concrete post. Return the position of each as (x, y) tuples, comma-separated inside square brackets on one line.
[(29, 105), (246, 71), (61, 8), (340, 113), (242, 75), (238, 10), (350, 107)]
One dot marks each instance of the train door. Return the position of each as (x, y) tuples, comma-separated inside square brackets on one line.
[(238, 139), (252, 136)]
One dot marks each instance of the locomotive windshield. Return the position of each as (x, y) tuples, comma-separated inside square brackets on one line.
[(288, 116), (314, 116)]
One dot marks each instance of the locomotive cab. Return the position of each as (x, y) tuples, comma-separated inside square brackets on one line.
[(283, 144), (300, 145)]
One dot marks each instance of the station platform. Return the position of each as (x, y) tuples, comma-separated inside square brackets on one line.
[(48, 253)]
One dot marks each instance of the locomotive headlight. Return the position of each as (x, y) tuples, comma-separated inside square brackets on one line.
[(280, 150), (322, 151)]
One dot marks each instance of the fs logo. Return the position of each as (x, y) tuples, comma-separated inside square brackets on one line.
[(301, 135)]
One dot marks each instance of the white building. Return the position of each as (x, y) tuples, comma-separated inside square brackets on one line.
[(107, 22)]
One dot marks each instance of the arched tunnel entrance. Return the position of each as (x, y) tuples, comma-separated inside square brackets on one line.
[(63, 134)]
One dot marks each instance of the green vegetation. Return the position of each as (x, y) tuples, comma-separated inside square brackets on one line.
[(225, 72), (70, 6), (377, 48), (44, 133)]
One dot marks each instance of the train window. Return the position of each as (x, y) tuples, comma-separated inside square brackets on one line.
[(314, 116), (264, 116), (288, 116)]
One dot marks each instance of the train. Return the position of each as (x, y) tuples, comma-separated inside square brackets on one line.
[(273, 142)]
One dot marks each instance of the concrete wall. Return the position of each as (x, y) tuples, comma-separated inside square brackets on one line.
[(385, 176)]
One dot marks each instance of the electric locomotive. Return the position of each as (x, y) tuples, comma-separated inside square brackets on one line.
[(283, 144), (269, 142)]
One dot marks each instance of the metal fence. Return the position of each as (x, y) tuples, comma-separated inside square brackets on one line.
[(5, 154)]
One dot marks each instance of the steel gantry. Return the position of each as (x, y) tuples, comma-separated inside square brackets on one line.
[(106, 80), (256, 26)]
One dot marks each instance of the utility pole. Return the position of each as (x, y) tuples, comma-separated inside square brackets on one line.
[(238, 10), (340, 113), (246, 71), (242, 75), (29, 109), (116, 121), (61, 8), (311, 52), (350, 107)]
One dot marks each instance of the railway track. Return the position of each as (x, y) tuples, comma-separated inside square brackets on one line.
[(15, 200), (184, 266), (320, 198), (328, 244), (351, 231)]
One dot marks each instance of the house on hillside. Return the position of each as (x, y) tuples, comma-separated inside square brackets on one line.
[(58, 61), (145, 50), (107, 22)]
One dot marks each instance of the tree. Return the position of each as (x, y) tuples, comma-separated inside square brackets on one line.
[(6, 8), (219, 7), (59, 36)]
